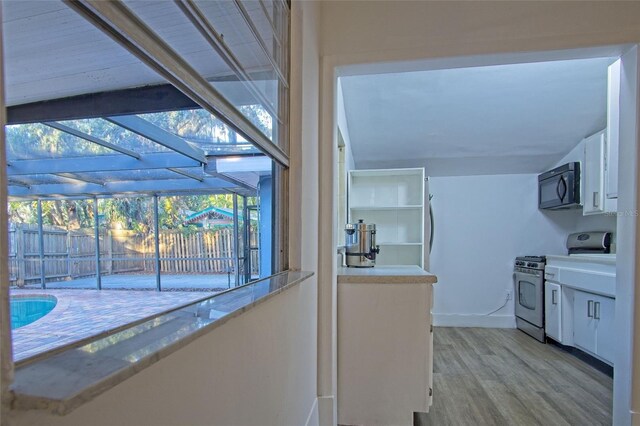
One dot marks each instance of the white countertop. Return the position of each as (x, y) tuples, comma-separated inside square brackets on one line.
[(383, 274), (593, 273), (609, 259)]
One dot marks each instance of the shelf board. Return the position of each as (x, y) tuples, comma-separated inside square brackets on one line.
[(407, 207), (388, 172)]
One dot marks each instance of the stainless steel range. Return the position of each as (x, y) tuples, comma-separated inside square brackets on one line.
[(529, 292)]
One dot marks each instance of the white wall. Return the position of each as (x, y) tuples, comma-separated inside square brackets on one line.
[(481, 224), (343, 125), (485, 222), (346, 163), (454, 28), (305, 173), (257, 369), (627, 271)]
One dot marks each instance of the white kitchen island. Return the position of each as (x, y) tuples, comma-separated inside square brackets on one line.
[(385, 344)]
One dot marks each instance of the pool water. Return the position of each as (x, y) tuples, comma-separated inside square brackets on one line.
[(25, 310)]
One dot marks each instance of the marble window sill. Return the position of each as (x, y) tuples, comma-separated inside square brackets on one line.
[(64, 381)]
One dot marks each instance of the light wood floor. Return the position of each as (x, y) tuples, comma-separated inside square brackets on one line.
[(503, 377)]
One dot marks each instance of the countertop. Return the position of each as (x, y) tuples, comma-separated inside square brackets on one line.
[(593, 273), (383, 274), (606, 259)]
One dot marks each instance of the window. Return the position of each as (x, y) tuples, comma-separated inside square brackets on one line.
[(169, 176)]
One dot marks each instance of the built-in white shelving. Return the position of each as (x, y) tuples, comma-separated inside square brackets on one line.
[(386, 207), (394, 200)]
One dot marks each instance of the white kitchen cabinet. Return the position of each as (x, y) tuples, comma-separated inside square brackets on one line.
[(385, 344), (584, 324), (394, 200), (613, 131), (605, 333), (600, 170), (593, 324), (585, 310), (593, 174), (553, 311)]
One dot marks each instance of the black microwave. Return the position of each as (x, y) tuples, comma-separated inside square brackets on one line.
[(560, 188)]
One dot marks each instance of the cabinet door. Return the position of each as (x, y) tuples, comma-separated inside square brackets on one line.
[(584, 325), (604, 312), (553, 311), (594, 148), (613, 129)]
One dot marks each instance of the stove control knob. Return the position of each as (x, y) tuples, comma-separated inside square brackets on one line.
[(531, 265)]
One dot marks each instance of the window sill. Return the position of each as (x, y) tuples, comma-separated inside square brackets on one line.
[(65, 381)]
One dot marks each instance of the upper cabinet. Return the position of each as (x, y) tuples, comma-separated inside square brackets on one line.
[(394, 200), (600, 170), (593, 175), (613, 131)]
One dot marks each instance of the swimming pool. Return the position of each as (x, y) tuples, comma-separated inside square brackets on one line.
[(27, 309)]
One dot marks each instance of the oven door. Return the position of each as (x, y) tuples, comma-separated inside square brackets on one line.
[(530, 296)]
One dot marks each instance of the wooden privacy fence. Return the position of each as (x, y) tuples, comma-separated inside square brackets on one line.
[(72, 254)]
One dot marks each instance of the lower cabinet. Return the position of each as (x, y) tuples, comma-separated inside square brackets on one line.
[(593, 324), (605, 333), (584, 323), (553, 310), (385, 355)]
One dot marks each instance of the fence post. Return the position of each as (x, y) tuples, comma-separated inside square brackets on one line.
[(19, 235), (156, 230), (236, 236), (69, 255), (109, 240), (41, 246), (96, 236)]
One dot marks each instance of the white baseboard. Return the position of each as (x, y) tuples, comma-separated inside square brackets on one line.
[(484, 321), (327, 413), (312, 418)]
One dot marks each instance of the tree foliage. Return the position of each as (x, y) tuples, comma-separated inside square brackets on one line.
[(134, 213), (197, 126)]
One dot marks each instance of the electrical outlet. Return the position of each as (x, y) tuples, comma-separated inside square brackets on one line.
[(509, 294)]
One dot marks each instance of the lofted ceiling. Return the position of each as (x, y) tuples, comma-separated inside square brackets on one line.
[(52, 52), (518, 118)]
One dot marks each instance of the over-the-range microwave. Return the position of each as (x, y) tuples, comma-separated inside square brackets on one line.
[(560, 188)]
